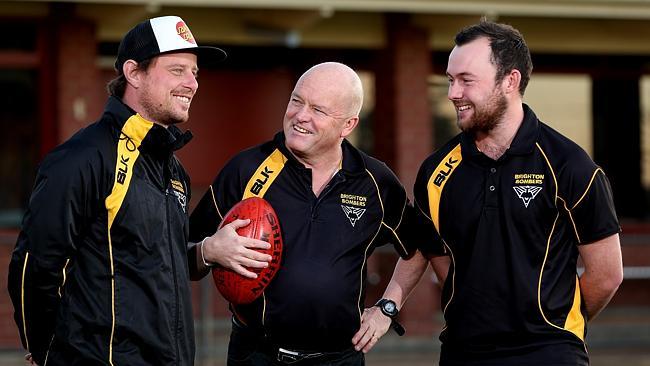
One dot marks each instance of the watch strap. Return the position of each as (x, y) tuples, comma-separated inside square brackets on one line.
[(397, 327)]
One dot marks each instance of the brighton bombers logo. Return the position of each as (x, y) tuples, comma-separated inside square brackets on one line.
[(527, 193), (351, 205), (353, 213), (178, 191), (527, 186)]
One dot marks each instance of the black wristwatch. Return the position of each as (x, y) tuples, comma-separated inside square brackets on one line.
[(389, 308)]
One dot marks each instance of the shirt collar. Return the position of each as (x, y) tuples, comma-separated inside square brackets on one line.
[(526, 136), (522, 144), (353, 162), (159, 138)]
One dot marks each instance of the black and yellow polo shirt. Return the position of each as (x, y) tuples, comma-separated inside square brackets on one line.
[(316, 299), (512, 229)]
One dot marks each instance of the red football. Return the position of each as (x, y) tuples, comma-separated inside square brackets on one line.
[(264, 225)]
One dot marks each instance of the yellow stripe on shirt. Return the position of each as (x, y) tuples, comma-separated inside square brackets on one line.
[(438, 180), (265, 175), (134, 131)]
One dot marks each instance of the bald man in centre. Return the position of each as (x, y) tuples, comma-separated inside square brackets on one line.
[(335, 205)]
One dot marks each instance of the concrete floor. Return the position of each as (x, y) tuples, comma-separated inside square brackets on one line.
[(618, 337), (598, 358), (603, 357)]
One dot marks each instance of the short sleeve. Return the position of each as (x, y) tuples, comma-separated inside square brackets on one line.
[(593, 214), (425, 234), (398, 211)]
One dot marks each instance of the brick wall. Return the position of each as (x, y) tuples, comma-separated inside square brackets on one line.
[(402, 126), (79, 95), (9, 337)]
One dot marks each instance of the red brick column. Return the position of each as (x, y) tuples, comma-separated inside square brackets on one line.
[(403, 127), (79, 94), (403, 139)]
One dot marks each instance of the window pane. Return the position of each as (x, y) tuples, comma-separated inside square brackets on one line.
[(443, 111), (17, 36), (19, 152), (564, 103)]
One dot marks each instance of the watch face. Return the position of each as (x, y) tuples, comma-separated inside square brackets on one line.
[(389, 306)]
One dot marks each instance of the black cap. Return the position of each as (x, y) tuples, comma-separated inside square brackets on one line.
[(160, 35)]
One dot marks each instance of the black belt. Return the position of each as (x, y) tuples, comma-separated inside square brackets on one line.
[(289, 356)]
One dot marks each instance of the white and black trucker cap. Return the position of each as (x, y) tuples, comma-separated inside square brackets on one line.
[(160, 35)]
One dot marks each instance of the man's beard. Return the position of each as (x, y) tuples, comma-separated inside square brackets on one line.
[(161, 113), (486, 117)]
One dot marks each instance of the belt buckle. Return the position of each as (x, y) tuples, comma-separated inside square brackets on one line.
[(288, 356)]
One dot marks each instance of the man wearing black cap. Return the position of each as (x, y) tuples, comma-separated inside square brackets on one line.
[(99, 274)]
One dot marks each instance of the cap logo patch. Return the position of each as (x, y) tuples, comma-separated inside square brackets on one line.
[(184, 32)]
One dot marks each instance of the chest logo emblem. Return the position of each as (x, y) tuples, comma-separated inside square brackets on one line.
[(352, 206), (353, 213), (527, 193), (179, 191)]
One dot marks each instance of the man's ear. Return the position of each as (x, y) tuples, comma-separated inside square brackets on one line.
[(132, 73), (512, 81), (349, 125)]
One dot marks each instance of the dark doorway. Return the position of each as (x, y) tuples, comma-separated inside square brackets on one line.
[(20, 147)]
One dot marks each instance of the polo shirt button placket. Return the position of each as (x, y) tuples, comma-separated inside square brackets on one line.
[(493, 170), (492, 181)]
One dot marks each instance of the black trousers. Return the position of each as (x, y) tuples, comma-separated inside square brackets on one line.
[(562, 354), (249, 349)]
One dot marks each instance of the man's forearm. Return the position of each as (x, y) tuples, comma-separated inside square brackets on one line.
[(596, 294), (406, 276), (440, 267), (603, 273), (197, 265)]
